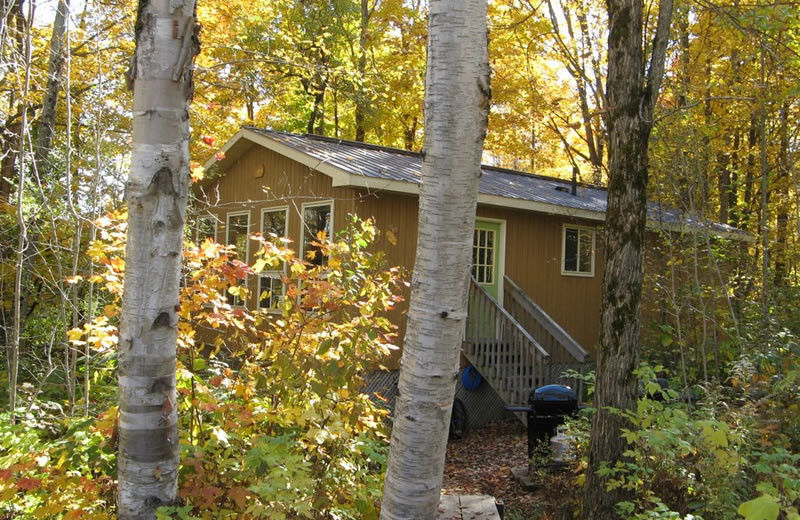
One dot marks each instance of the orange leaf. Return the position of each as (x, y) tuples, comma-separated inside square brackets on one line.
[(239, 495), (28, 484), (209, 494)]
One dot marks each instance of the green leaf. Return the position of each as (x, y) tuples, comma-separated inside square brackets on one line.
[(764, 507)]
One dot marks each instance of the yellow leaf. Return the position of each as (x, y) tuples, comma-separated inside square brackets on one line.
[(391, 237), (75, 334), (198, 173), (259, 265)]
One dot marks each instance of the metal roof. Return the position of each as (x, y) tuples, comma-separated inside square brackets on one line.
[(379, 162)]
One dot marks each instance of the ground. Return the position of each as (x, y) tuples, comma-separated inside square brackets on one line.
[(481, 464)]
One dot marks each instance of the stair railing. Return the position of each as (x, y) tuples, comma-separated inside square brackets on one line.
[(507, 355), (565, 352)]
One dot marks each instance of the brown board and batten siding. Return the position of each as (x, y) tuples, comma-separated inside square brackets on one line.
[(533, 261), (262, 179), (256, 178), (395, 213), (532, 258)]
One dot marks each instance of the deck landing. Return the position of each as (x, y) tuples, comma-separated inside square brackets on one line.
[(467, 507)]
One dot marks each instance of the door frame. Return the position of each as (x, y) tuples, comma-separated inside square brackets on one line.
[(501, 254)]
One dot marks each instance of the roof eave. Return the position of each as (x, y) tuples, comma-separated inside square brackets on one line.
[(345, 179)]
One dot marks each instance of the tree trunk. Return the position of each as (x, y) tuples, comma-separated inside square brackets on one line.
[(44, 138), (16, 29), (361, 95), (781, 251), (161, 75), (23, 242), (763, 213), (456, 112), (631, 100)]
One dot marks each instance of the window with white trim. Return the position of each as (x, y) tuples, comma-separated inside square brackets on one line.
[(577, 251), (237, 233), (206, 227), (270, 284), (317, 218), (483, 255)]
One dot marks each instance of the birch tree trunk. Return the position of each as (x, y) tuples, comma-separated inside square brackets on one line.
[(631, 99), (456, 111), (161, 77)]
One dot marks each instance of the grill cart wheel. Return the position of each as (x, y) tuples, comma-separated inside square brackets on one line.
[(459, 425)]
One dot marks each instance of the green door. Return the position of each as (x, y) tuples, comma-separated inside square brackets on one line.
[(486, 256)]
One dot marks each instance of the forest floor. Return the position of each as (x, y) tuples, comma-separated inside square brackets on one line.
[(481, 464)]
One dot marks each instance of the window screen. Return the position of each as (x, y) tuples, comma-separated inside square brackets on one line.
[(315, 220), (483, 255)]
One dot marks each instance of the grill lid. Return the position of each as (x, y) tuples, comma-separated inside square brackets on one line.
[(554, 394)]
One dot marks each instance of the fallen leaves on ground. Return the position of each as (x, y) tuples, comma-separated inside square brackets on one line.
[(481, 465)]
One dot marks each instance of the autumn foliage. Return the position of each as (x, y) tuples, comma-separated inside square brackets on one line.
[(273, 422)]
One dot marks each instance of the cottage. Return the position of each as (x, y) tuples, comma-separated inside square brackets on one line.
[(535, 293)]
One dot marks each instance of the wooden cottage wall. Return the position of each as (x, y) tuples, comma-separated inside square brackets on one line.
[(533, 261), (397, 214), (262, 179), (533, 245)]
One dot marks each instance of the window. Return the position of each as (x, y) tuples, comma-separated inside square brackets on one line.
[(483, 256), (270, 290), (316, 218), (238, 234), (578, 251), (206, 227), (270, 286), (273, 221)]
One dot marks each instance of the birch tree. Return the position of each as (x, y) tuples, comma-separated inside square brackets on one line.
[(157, 187), (631, 94), (456, 112)]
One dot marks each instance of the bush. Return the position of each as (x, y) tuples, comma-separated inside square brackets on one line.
[(273, 423)]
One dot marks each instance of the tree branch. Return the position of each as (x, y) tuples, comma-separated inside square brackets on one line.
[(655, 72)]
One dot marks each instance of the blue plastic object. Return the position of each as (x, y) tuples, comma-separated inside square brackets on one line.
[(471, 379), (552, 393)]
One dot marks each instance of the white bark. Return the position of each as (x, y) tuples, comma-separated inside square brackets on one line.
[(456, 110), (156, 190), (22, 239)]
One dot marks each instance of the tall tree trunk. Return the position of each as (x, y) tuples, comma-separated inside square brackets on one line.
[(410, 124), (9, 153), (361, 95), (23, 242), (733, 194), (631, 99), (15, 29), (456, 113), (46, 124), (781, 251), (763, 214), (750, 173), (161, 76)]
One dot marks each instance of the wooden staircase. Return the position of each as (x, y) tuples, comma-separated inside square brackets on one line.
[(518, 347)]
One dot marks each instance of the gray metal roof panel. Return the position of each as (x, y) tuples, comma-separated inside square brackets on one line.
[(400, 165)]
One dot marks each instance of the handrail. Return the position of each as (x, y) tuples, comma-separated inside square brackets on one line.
[(552, 327), (509, 358), (510, 318)]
